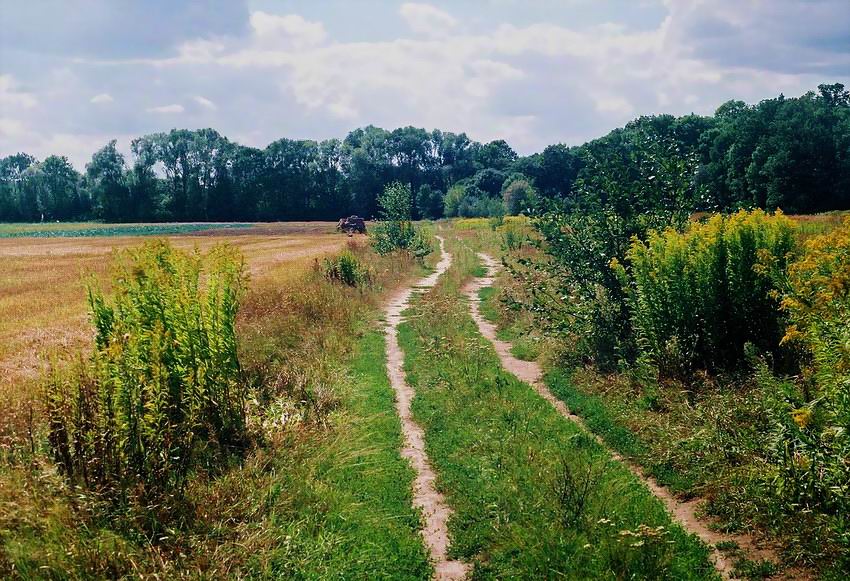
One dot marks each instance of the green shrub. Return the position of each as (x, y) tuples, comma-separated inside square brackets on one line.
[(513, 239), (812, 413), (519, 196), (574, 292), (346, 269), (698, 296), (161, 393), (395, 231)]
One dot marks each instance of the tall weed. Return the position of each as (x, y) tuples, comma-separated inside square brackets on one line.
[(161, 393), (698, 296), (812, 427), (347, 269)]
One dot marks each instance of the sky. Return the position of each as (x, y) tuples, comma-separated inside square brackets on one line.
[(75, 74)]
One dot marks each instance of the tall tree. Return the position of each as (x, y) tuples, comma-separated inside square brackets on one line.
[(107, 179)]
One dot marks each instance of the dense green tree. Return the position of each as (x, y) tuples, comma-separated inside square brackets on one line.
[(489, 181), (496, 155), (60, 196), (108, 184), (13, 206), (518, 195), (789, 153), (429, 203), (145, 194), (557, 170)]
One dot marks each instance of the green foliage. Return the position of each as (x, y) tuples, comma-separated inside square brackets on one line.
[(395, 232), (347, 269), (390, 237), (161, 394), (787, 153), (631, 182), (513, 239), (575, 294), (108, 187), (429, 202), (519, 196), (468, 199), (811, 431), (480, 207), (396, 203), (781, 153), (696, 297), (537, 513)]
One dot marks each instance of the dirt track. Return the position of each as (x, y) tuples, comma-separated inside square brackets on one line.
[(425, 495)]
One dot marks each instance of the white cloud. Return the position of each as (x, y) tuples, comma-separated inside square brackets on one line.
[(12, 96), (101, 98), (531, 84), (464, 82), (511, 78), (614, 104), (290, 30), (169, 109), (204, 102), (782, 36), (199, 51), (12, 128), (426, 19), (16, 136)]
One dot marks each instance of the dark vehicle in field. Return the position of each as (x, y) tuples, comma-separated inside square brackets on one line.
[(352, 225)]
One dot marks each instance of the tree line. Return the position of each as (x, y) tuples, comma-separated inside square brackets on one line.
[(788, 153)]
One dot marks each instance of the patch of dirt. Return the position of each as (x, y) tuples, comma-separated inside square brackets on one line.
[(684, 513), (425, 495)]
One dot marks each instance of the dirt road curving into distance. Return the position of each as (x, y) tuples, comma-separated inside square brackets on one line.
[(425, 495)]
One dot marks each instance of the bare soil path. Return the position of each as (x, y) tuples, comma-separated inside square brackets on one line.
[(425, 494), (684, 513)]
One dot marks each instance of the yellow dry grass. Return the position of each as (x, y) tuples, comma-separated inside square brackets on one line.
[(43, 302)]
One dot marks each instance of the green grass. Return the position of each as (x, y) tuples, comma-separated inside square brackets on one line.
[(595, 414), (525, 345), (345, 512), (599, 416), (501, 453), (327, 502), (90, 229)]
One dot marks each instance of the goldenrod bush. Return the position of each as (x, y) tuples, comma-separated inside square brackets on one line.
[(161, 392), (813, 427), (698, 296)]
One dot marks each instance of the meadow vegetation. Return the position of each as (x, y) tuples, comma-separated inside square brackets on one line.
[(161, 393), (718, 361), (201, 441), (224, 410), (89, 229), (533, 495)]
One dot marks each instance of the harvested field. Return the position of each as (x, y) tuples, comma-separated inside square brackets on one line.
[(43, 303)]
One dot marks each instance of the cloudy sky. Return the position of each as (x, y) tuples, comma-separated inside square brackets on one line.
[(77, 73)]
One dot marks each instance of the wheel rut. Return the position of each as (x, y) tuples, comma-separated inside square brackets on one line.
[(425, 495), (683, 512)]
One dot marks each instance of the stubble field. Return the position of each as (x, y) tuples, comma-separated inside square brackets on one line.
[(43, 290)]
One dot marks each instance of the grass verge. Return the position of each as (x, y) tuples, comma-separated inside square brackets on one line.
[(322, 493), (534, 497)]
